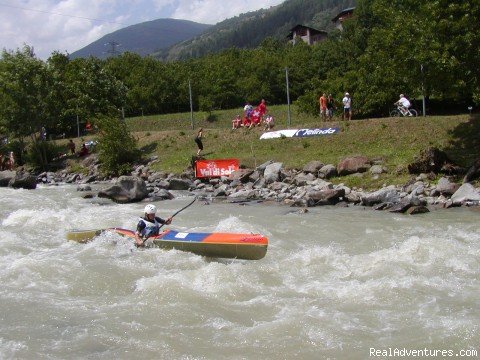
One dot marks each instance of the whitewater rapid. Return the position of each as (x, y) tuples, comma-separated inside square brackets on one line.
[(335, 283)]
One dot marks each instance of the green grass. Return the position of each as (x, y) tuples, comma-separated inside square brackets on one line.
[(394, 140)]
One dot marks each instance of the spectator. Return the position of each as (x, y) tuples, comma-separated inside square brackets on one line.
[(347, 107), (330, 106), (88, 126), (11, 160), (198, 141), (43, 134), (323, 106), (269, 123), (248, 109), (262, 108), (83, 151), (236, 122), (71, 146)]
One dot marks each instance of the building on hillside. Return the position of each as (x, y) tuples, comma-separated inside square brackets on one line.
[(306, 34), (342, 16)]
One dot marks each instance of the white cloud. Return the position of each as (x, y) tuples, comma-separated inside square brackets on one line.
[(68, 25)]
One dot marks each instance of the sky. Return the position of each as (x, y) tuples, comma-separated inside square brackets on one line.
[(69, 25)]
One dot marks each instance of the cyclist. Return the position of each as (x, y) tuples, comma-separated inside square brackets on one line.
[(403, 105)]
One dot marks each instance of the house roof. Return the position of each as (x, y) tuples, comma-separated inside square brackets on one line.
[(343, 13), (313, 31)]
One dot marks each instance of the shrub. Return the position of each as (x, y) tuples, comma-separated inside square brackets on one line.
[(117, 147)]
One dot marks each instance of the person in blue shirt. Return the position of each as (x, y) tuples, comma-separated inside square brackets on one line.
[(149, 225)]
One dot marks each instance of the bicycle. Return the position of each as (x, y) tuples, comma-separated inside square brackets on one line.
[(400, 111)]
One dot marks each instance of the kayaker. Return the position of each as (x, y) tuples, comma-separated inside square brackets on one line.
[(149, 225)]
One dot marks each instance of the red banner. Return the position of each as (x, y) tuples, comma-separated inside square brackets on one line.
[(215, 168)]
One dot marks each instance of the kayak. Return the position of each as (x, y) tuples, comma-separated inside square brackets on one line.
[(220, 245)]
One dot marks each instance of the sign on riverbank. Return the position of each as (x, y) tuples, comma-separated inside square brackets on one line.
[(215, 168), (299, 133)]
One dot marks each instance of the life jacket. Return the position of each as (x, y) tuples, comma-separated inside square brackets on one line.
[(151, 228)]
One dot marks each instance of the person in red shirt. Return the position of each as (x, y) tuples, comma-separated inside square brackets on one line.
[(262, 108), (323, 106)]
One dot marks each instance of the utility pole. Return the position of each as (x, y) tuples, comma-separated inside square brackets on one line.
[(191, 103), (423, 90)]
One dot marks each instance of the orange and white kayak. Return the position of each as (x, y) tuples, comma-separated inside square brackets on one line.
[(221, 245)]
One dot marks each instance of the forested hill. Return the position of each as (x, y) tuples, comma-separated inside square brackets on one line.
[(143, 38), (250, 29)]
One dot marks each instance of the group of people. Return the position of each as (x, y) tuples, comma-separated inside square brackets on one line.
[(254, 117), (7, 162), (83, 150), (327, 106)]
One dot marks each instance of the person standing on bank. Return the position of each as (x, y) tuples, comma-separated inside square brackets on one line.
[(347, 107), (198, 141), (149, 225)]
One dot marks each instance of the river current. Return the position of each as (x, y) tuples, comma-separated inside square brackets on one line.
[(337, 283)]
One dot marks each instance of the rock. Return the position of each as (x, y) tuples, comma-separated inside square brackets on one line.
[(430, 160), (303, 179), (23, 180), (328, 171), (473, 172), (417, 210), (445, 187), (127, 189), (272, 171), (465, 193), (400, 207), (313, 167), (241, 175), (84, 188), (379, 196), (377, 170), (351, 165), (162, 194), (179, 184), (88, 196), (325, 197), (5, 177)]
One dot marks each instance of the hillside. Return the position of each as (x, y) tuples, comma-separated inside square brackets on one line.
[(250, 29), (396, 141), (143, 39)]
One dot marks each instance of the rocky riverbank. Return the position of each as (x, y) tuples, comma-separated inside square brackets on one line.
[(306, 187)]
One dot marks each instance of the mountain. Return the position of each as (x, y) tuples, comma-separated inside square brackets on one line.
[(144, 38), (250, 29)]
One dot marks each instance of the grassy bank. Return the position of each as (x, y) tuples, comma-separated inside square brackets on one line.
[(394, 140)]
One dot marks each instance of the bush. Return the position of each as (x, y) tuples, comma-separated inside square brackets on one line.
[(117, 148), (47, 150)]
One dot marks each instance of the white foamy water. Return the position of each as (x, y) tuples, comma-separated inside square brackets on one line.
[(335, 282)]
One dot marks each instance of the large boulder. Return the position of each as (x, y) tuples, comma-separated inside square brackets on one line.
[(127, 189), (325, 196), (465, 193), (302, 179), (328, 171), (272, 172), (386, 195), (179, 184), (430, 160), (445, 187), (23, 180), (352, 165), (5, 177)]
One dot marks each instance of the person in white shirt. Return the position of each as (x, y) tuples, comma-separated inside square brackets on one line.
[(347, 107), (404, 105)]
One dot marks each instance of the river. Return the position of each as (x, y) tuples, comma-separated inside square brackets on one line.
[(337, 283)]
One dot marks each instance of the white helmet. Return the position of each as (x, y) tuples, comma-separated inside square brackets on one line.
[(150, 209), (401, 95)]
